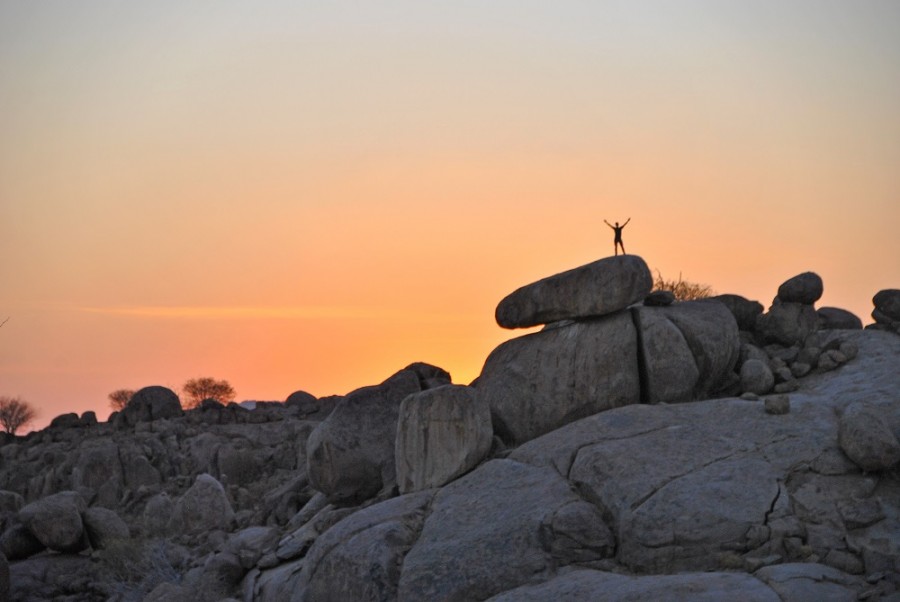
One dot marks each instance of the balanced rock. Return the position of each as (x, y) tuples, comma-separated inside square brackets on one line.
[(688, 350), (56, 521), (743, 310), (350, 454), (442, 433), (835, 318), (596, 289), (787, 323), (152, 403), (866, 439), (541, 381), (803, 288)]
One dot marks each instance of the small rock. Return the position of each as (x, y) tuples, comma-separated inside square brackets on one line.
[(778, 404), (830, 360), (749, 396), (800, 369), (756, 377), (783, 375), (788, 386), (659, 299), (849, 349), (809, 355)]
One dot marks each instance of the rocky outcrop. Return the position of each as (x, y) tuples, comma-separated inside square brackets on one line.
[(596, 289), (401, 494), (442, 433)]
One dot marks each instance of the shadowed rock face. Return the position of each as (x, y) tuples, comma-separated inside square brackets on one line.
[(596, 289)]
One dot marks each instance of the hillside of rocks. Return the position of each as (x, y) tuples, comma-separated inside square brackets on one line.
[(634, 448)]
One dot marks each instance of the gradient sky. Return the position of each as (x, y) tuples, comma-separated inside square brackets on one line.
[(294, 195)]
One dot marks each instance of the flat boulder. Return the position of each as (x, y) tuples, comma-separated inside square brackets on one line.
[(599, 586), (350, 454), (539, 382), (596, 289), (56, 521), (803, 288), (442, 433)]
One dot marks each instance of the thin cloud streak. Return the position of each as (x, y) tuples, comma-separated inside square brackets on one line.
[(266, 313)]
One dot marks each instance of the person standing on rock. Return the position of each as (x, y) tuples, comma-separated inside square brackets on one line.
[(618, 230)]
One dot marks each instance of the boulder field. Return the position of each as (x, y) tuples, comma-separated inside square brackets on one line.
[(629, 450)]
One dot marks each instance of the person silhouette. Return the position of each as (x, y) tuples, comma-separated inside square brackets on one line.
[(618, 230)]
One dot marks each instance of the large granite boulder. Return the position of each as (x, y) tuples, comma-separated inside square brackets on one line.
[(497, 528), (803, 288), (350, 454), (442, 433), (56, 521), (152, 403), (541, 381), (360, 558), (596, 289), (688, 350), (203, 507)]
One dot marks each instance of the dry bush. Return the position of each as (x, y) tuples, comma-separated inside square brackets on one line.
[(684, 290), (198, 389), (15, 413), (119, 398), (132, 567)]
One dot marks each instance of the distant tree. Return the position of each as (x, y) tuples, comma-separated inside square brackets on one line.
[(198, 389), (119, 398), (683, 290), (15, 413)]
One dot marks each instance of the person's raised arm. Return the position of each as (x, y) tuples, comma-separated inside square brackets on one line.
[(609, 224), (626, 222)]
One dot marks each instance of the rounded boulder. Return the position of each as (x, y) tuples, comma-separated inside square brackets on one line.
[(803, 288), (56, 521)]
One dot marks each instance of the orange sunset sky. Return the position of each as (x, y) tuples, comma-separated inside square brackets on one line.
[(294, 195)]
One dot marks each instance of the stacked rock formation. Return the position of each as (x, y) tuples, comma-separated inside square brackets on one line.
[(887, 310), (792, 339), (595, 353)]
